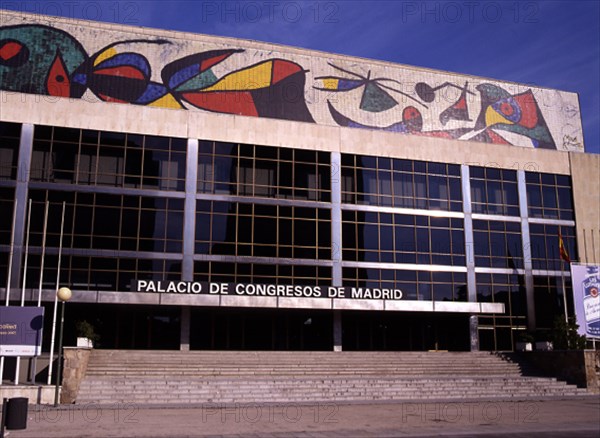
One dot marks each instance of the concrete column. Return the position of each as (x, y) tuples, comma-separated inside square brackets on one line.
[(473, 329), (469, 253), (469, 240), (189, 221), (526, 241), (337, 330), (184, 340), (21, 195), (189, 232), (336, 241)]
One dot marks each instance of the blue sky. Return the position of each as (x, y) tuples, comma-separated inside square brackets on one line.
[(554, 44)]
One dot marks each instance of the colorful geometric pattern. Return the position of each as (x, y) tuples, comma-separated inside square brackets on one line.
[(258, 90), (115, 74), (412, 121), (40, 59), (374, 99), (458, 110), (517, 113)]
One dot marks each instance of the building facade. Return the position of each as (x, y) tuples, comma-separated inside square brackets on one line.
[(229, 194)]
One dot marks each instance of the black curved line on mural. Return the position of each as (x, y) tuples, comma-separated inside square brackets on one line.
[(427, 93)]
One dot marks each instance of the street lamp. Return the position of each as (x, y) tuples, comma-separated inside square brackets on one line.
[(64, 295)]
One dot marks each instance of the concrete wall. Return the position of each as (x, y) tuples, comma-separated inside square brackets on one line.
[(45, 110), (36, 394), (99, 62), (586, 192), (580, 368)]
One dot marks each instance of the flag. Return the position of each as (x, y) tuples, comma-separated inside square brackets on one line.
[(563, 251)]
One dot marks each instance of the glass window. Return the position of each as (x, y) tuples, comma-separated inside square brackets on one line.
[(7, 206), (415, 285), (545, 253), (263, 230), (10, 135), (494, 191), (549, 300), (497, 244), (549, 196), (385, 238), (262, 171), (400, 183), (115, 159), (112, 222), (262, 273)]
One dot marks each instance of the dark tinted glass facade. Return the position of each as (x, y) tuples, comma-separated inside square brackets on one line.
[(160, 208), (260, 230), (494, 191), (498, 244), (400, 183), (10, 134), (261, 171), (549, 196), (66, 155), (399, 238)]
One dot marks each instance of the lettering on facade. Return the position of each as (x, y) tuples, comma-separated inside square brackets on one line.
[(265, 290)]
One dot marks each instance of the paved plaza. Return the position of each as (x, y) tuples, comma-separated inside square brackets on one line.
[(577, 417)]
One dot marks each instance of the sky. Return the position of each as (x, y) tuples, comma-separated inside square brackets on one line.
[(545, 43)]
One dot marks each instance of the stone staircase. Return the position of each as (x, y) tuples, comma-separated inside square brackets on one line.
[(174, 377)]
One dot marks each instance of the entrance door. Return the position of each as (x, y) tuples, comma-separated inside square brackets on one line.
[(404, 331), (261, 329)]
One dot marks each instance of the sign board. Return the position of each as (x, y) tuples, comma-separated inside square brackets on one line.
[(21, 330), (586, 297), (265, 290)]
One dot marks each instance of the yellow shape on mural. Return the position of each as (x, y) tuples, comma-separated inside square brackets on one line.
[(492, 117), (167, 101), (251, 78), (331, 84), (109, 53)]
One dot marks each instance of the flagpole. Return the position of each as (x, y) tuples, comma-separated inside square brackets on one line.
[(18, 361), (52, 339), (39, 298), (39, 301), (7, 290), (562, 276), (564, 257)]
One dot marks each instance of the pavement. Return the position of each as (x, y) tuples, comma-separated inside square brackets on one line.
[(550, 418)]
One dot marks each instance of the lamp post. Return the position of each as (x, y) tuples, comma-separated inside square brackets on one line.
[(64, 295)]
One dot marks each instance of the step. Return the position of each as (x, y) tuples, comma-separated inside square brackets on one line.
[(223, 377)]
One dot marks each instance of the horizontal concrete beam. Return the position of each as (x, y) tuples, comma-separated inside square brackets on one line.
[(171, 299)]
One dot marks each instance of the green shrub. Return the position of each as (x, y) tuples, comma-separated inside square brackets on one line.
[(565, 336)]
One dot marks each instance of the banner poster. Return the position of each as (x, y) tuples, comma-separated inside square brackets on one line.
[(21, 330), (586, 282)]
